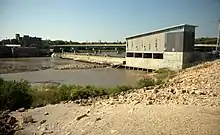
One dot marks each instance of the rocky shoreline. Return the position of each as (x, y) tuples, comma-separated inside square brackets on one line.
[(5, 69), (79, 66), (192, 95), (198, 85)]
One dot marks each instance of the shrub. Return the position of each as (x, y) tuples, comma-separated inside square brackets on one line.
[(163, 75), (80, 92), (14, 95), (145, 82), (65, 92), (117, 89)]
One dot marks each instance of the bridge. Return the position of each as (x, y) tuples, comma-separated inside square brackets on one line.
[(88, 47)]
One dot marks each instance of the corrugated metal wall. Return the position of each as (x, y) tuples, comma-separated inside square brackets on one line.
[(174, 42), (188, 41)]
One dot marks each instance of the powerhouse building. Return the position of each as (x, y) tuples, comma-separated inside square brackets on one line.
[(170, 47)]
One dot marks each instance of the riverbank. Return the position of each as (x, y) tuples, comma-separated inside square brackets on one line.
[(79, 66), (5, 69), (94, 59), (17, 65), (190, 104)]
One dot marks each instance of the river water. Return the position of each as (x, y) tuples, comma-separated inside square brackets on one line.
[(106, 77)]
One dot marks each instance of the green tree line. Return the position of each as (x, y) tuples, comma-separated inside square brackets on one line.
[(202, 40), (206, 40)]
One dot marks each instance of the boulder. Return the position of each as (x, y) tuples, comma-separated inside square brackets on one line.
[(21, 109)]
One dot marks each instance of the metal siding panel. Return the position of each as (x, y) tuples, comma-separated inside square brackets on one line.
[(189, 38), (174, 40)]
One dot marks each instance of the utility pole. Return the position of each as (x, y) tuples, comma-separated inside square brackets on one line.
[(217, 44)]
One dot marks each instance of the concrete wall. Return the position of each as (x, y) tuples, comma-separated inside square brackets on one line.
[(172, 60), (190, 58)]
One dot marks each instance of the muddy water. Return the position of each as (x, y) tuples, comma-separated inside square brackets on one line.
[(106, 77)]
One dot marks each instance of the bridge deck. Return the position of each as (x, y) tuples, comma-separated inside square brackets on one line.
[(90, 45)]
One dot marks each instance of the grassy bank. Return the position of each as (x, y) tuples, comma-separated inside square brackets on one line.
[(14, 94)]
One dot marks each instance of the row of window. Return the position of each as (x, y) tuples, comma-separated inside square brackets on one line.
[(146, 55)]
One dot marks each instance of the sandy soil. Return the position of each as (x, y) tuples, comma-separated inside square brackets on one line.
[(124, 119)]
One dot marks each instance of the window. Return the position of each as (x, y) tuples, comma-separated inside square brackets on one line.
[(138, 55), (147, 55), (158, 55), (130, 54)]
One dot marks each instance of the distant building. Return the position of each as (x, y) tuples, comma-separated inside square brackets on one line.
[(17, 37), (28, 41), (165, 48)]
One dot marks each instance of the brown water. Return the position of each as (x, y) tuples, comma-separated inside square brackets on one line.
[(101, 77)]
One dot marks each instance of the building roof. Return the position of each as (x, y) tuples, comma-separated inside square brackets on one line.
[(160, 30)]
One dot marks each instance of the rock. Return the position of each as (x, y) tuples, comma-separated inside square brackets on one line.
[(199, 92), (97, 119), (155, 90), (43, 121), (213, 94), (64, 102), (184, 91), (11, 120), (136, 102), (44, 128), (4, 114), (173, 91), (114, 131), (28, 119), (82, 116), (46, 132), (46, 113), (21, 132), (70, 102), (8, 123), (192, 92), (21, 109), (88, 111), (149, 102)]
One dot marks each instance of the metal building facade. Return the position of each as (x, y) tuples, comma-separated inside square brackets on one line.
[(164, 48)]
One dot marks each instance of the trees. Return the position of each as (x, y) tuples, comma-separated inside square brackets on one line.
[(206, 40)]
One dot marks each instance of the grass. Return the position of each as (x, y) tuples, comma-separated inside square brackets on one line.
[(163, 75), (14, 94)]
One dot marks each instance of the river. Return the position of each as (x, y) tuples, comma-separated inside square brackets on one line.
[(106, 77)]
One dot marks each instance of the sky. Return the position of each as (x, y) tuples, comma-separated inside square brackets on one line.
[(105, 20)]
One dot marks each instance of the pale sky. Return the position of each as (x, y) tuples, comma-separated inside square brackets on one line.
[(106, 20)]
